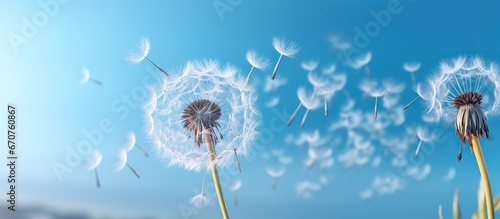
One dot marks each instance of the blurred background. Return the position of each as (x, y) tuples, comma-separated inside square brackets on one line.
[(47, 46)]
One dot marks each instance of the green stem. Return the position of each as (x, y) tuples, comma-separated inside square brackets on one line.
[(212, 156), (476, 147)]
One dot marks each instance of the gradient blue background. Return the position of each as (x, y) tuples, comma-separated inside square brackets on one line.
[(54, 110)]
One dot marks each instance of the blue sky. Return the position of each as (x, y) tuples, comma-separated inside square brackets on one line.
[(41, 77)]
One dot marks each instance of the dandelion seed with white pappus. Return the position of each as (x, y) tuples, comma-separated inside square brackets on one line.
[(464, 92), (235, 186), (424, 135), (284, 48), (132, 143), (142, 53), (412, 67), (372, 89), (272, 85), (334, 83), (86, 77), (309, 65), (362, 61), (209, 105), (95, 161), (256, 61), (122, 162), (309, 101), (275, 172), (201, 200)]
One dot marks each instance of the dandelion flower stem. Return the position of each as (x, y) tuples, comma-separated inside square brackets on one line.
[(212, 156), (476, 147), (376, 108)]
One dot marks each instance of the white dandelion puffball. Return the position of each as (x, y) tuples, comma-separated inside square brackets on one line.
[(454, 79), (204, 102)]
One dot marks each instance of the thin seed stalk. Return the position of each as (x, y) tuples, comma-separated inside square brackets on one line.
[(476, 147), (215, 175)]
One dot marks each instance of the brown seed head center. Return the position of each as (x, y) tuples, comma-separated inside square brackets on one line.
[(201, 115), (467, 98)]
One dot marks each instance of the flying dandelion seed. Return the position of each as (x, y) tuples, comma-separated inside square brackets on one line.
[(335, 83), (393, 87), (412, 67), (315, 154), (86, 77), (340, 44), (131, 144), (273, 102), (305, 189), (256, 61), (141, 53), (201, 200), (284, 48), (310, 102), (122, 162), (362, 62), (376, 93), (330, 69), (450, 175), (424, 135), (309, 65), (235, 186), (469, 89), (275, 172), (95, 161), (272, 85), (371, 88), (204, 105)]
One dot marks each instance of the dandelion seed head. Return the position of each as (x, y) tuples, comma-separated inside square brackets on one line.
[(142, 50), (204, 98), (464, 91), (285, 47)]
